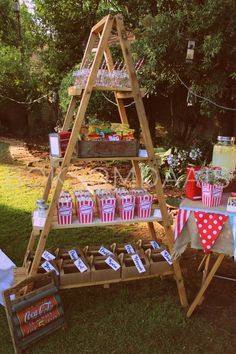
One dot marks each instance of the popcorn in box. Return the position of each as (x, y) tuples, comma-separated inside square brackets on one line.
[(137, 191), (126, 206), (120, 191), (144, 205), (107, 207), (64, 211), (85, 209), (82, 193), (65, 194)]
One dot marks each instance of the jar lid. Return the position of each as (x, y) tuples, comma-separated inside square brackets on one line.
[(40, 202), (43, 207), (226, 139)]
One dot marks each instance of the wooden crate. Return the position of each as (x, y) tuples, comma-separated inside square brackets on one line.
[(107, 148)]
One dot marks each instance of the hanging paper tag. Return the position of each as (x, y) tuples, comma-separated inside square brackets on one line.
[(73, 255), (48, 256), (157, 213), (112, 263), (48, 267), (167, 256), (138, 263), (104, 251), (80, 265), (129, 249), (155, 245)]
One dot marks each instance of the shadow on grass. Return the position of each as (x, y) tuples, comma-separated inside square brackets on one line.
[(136, 317), (5, 156)]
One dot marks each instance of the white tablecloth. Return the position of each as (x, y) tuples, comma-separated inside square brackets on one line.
[(6, 273)]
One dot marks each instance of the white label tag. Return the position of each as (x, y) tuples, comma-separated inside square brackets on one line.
[(73, 255), (138, 263), (157, 213), (80, 265), (48, 256), (155, 245), (112, 263), (48, 267), (167, 256), (129, 249), (104, 251)]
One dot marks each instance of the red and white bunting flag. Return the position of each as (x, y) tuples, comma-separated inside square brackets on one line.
[(209, 227), (181, 220)]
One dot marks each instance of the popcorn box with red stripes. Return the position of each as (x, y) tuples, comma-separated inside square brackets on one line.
[(85, 209), (137, 191), (82, 193), (144, 205), (211, 194), (107, 207), (126, 206), (64, 211)]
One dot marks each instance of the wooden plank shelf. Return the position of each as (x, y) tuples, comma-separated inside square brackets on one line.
[(56, 161), (98, 222), (168, 272), (77, 90)]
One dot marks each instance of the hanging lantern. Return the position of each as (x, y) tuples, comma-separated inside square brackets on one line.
[(190, 51)]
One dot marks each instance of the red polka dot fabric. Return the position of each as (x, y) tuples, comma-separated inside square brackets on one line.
[(209, 227)]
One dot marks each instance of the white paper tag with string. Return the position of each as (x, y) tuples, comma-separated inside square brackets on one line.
[(80, 265), (138, 263), (48, 267), (112, 263), (167, 256), (104, 251), (73, 255), (155, 245), (129, 249), (48, 256)]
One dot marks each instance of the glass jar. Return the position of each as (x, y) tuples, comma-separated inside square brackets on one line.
[(40, 202), (224, 153), (42, 211)]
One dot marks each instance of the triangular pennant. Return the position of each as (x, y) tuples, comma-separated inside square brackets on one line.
[(233, 226), (181, 220), (209, 227)]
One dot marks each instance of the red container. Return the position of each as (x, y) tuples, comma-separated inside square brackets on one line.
[(58, 143), (85, 208), (126, 205), (144, 205), (192, 190), (211, 194), (64, 212), (107, 207)]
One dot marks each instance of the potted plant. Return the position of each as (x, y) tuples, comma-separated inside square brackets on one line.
[(213, 180)]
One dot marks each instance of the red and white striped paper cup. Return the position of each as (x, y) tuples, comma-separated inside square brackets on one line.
[(64, 212), (126, 205), (144, 205), (211, 194), (107, 207), (85, 209)]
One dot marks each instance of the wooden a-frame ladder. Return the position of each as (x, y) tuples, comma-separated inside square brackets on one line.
[(103, 30)]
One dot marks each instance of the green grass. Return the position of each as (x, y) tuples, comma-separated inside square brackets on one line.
[(139, 317)]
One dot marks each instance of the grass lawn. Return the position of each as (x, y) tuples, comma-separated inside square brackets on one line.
[(138, 317)]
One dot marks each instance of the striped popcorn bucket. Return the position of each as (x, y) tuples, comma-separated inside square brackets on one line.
[(85, 208), (211, 194), (107, 207), (144, 206), (126, 207), (64, 212)]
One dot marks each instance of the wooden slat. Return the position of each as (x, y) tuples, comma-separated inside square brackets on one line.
[(76, 90), (120, 280), (149, 146), (100, 25), (73, 138), (97, 222)]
